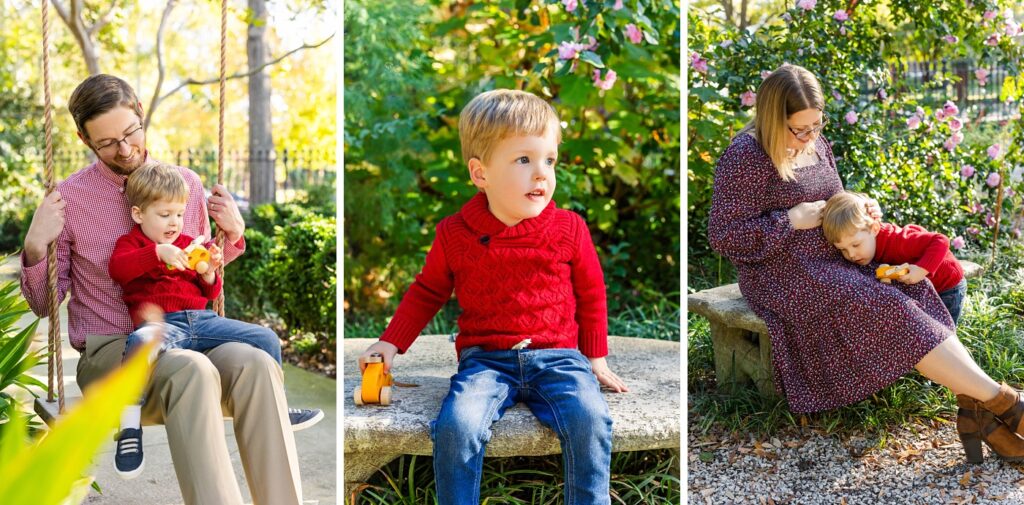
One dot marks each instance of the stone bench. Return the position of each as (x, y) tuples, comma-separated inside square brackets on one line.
[(742, 347), (647, 417)]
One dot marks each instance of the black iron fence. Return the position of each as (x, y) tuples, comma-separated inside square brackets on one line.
[(974, 85), (295, 170)]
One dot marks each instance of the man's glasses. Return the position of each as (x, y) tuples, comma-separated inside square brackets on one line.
[(806, 134), (132, 136)]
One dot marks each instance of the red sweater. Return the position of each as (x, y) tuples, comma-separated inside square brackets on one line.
[(539, 279), (143, 278), (916, 245)]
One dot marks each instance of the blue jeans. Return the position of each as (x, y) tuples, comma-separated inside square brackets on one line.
[(953, 299), (561, 390), (202, 330)]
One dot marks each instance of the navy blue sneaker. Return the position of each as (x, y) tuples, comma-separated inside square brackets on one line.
[(128, 460), (304, 418)]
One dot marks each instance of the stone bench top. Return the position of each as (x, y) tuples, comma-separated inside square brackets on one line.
[(647, 417), (726, 303)]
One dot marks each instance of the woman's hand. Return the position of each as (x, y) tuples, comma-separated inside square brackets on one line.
[(386, 350), (807, 215), (606, 376), (871, 206)]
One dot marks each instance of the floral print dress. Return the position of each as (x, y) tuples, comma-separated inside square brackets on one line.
[(838, 335)]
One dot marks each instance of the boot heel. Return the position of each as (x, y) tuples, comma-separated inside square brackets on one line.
[(972, 447)]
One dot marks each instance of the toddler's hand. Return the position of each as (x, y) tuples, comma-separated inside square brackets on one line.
[(915, 275), (386, 350), (216, 256), (172, 255), (606, 376)]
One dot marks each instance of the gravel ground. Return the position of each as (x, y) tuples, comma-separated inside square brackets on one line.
[(916, 465)]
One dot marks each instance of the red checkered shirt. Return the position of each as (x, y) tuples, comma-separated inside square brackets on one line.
[(96, 215)]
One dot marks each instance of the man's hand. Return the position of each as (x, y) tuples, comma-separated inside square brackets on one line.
[(47, 223), (606, 376), (386, 350), (915, 275), (225, 213)]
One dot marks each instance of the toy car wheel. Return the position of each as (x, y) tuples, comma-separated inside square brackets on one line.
[(357, 395), (385, 395)]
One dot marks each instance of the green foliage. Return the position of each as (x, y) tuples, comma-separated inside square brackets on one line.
[(411, 68), (15, 358), (912, 172)]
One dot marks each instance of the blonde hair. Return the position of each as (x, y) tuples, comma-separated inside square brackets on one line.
[(501, 113), (786, 91), (845, 213), (153, 182)]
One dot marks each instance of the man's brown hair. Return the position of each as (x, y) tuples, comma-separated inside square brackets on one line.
[(98, 94)]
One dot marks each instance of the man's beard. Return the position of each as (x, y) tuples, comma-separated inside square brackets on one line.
[(120, 167)]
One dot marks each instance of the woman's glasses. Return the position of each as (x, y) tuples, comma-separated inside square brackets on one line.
[(806, 134)]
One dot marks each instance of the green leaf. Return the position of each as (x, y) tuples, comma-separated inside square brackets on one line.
[(592, 58)]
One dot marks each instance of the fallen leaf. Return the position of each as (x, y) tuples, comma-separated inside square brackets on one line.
[(707, 457), (966, 479)]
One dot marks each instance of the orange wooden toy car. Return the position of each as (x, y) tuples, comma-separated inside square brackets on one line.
[(886, 273), (376, 386), (198, 256)]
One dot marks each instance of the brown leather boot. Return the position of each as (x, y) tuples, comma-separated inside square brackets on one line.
[(975, 425), (1008, 407)]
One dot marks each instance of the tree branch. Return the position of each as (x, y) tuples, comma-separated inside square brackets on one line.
[(161, 70), (238, 75), (61, 11), (102, 21)]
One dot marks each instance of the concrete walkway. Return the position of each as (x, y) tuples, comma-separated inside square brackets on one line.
[(158, 485)]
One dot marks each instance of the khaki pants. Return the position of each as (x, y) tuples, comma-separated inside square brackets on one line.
[(190, 393)]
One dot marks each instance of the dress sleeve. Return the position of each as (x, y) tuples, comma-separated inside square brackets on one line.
[(427, 294), (738, 228)]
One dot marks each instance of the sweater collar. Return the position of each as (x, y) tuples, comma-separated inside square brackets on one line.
[(481, 220)]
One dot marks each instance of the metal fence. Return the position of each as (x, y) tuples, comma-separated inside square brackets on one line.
[(932, 81), (296, 170)]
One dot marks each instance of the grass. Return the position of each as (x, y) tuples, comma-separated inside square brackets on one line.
[(990, 328), (637, 478)]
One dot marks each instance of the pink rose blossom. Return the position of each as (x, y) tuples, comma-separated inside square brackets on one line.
[(919, 112), (949, 144), (618, 5), (882, 95), (570, 5), (939, 114), (957, 137), (806, 4), (951, 39), (699, 64), (978, 208), (841, 15), (990, 220), (748, 98), (992, 40), (842, 30), (607, 82), (1011, 29), (567, 50), (973, 230), (955, 124), (904, 196), (993, 179), (950, 108), (850, 117), (913, 123), (994, 151), (990, 15), (958, 243), (634, 34), (982, 76), (967, 171)]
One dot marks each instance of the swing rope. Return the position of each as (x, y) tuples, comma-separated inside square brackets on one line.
[(218, 304), (55, 359)]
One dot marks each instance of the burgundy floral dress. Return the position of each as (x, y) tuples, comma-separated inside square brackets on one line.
[(838, 335)]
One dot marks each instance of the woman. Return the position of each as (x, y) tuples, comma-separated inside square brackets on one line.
[(838, 335)]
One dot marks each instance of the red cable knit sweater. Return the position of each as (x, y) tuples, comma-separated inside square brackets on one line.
[(143, 278), (539, 279)]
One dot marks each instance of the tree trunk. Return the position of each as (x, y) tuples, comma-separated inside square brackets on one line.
[(261, 142)]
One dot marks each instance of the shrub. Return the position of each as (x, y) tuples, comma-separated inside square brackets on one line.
[(301, 278)]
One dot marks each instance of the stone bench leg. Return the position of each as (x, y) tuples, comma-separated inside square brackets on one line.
[(360, 466), (742, 357)]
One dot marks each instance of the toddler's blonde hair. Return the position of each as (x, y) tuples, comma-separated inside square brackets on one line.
[(153, 182), (845, 213), (501, 113)]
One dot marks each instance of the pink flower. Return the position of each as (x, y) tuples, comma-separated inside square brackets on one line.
[(950, 108), (994, 151), (850, 117), (992, 40), (967, 171), (634, 34), (993, 179), (913, 123), (570, 5), (882, 95), (955, 124), (618, 5), (842, 30), (951, 39), (982, 76), (949, 144), (973, 230), (978, 208), (699, 64), (1011, 28), (957, 137), (919, 112), (806, 4), (841, 15), (607, 82), (837, 96), (990, 15), (567, 50), (958, 243), (748, 98), (990, 220), (765, 74), (939, 114)]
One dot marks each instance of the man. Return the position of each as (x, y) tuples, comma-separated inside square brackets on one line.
[(189, 392)]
